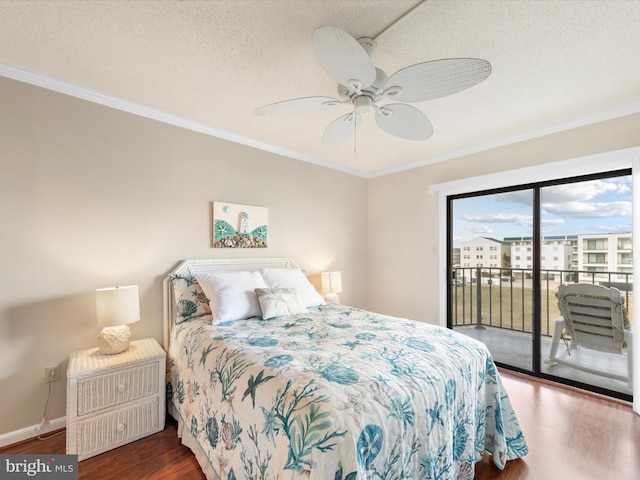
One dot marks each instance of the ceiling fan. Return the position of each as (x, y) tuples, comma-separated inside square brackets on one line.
[(349, 62)]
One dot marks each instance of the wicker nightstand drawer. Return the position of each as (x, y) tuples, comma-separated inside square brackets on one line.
[(115, 388), (100, 433)]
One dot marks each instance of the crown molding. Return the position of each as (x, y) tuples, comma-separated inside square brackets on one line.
[(585, 165), (610, 114), (66, 88), (100, 98)]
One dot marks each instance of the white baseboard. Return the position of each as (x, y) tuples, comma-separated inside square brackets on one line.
[(30, 432)]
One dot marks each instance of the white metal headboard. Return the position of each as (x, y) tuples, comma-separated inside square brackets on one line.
[(208, 265)]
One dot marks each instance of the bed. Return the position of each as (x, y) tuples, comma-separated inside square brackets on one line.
[(323, 391)]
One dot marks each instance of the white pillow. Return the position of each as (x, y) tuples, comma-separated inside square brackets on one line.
[(232, 295), (293, 278), (276, 302)]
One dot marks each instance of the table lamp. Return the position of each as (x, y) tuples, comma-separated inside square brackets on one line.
[(331, 286), (116, 307)]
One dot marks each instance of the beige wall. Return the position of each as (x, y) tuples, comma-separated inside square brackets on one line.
[(92, 197), (404, 236)]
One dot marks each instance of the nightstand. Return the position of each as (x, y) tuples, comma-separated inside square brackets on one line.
[(114, 399)]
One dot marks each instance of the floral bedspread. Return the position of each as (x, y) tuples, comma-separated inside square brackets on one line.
[(338, 393)]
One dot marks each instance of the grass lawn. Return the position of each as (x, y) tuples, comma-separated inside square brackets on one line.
[(507, 307)]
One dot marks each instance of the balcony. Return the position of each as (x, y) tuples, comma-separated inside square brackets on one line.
[(495, 306)]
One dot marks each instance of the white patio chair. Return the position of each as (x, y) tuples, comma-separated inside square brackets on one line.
[(593, 317)]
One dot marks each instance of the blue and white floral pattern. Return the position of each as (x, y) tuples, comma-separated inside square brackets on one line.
[(338, 393), (191, 302)]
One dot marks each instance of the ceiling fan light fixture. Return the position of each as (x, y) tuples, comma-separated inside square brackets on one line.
[(362, 103)]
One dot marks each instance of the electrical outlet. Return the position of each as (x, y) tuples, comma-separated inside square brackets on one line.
[(52, 373)]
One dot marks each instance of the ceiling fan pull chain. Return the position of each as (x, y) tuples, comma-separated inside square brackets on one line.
[(355, 131)]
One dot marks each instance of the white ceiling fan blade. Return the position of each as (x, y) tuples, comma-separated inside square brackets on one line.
[(340, 130), (438, 78), (343, 58), (297, 105), (404, 121)]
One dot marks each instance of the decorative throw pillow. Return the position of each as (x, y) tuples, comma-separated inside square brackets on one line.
[(191, 302), (293, 278), (276, 302), (232, 295)]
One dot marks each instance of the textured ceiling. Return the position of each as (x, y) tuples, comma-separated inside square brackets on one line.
[(212, 62)]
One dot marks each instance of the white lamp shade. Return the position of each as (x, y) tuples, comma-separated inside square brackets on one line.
[(331, 282), (325, 279), (336, 282), (117, 306)]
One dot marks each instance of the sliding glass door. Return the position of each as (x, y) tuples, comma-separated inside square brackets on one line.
[(595, 218), (510, 249), (492, 272)]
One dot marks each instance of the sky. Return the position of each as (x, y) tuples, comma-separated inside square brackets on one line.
[(596, 206)]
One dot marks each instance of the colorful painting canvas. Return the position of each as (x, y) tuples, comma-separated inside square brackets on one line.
[(239, 226)]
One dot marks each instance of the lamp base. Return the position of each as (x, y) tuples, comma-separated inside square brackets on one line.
[(332, 298), (112, 340)]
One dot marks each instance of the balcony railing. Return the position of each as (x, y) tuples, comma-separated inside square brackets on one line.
[(503, 297)]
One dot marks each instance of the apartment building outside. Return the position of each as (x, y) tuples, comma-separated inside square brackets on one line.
[(600, 253), (558, 252), (597, 253), (483, 252)]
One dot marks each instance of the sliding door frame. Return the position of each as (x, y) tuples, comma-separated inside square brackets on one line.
[(618, 160)]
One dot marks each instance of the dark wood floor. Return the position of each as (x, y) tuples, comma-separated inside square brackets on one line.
[(571, 435)]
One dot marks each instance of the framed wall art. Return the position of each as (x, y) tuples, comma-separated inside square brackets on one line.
[(239, 226)]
